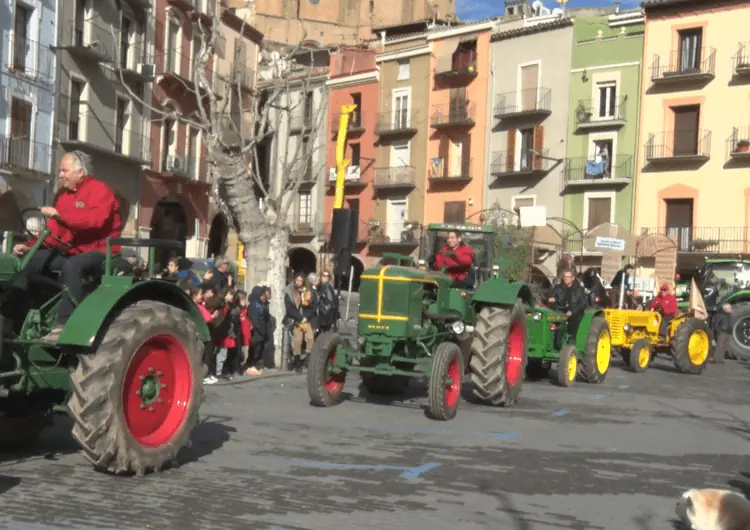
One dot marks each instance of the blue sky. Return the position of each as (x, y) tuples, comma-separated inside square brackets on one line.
[(479, 9)]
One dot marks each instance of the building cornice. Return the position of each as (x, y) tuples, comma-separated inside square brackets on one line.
[(461, 30), (404, 54), (354, 80)]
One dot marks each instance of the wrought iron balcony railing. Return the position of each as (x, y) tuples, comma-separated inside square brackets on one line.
[(587, 171), (592, 114), (532, 102), (89, 40), (678, 145), (32, 60), (738, 144), (396, 122), (455, 113), (705, 240), (24, 155), (741, 59), (355, 125), (444, 169), (696, 65), (395, 177), (507, 163)]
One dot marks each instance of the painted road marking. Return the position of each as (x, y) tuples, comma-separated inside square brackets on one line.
[(623, 387), (562, 412), (407, 472), (507, 435)]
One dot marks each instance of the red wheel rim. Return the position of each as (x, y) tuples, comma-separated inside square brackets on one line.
[(334, 382), (157, 390), (453, 383), (514, 360)]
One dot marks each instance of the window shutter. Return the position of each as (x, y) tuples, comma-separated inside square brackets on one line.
[(538, 146), (511, 152)]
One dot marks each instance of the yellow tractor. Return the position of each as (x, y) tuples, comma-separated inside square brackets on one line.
[(636, 333)]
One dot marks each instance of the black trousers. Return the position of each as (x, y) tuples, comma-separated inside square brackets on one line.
[(256, 355), (72, 268)]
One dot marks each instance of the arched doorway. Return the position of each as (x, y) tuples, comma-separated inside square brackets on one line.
[(302, 260), (217, 236), (169, 221), (359, 268), (10, 213)]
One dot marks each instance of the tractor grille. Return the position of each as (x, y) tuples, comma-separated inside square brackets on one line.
[(614, 319)]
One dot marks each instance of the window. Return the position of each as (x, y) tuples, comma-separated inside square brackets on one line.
[(686, 119), (173, 41), (308, 109), (690, 50), (607, 100), (679, 221), (20, 36), (401, 110), (356, 120), (168, 137), (454, 212), (80, 21), (404, 68), (355, 154), (465, 57), (121, 117), (600, 164), (307, 157), (527, 146), (305, 208), (126, 26), (20, 133), (193, 152), (599, 211), (353, 206), (74, 116), (522, 202)]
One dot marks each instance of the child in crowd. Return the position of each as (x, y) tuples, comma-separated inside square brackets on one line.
[(245, 328)]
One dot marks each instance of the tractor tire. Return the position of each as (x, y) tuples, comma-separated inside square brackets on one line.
[(567, 365), (691, 346), (324, 387), (641, 355), (722, 348), (740, 335), (135, 400), (498, 364), (597, 356), (444, 387)]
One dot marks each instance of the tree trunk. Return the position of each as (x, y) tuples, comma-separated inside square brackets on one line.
[(278, 250)]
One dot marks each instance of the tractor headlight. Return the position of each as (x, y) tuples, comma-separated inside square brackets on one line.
[(537, 316), (626, 328), (496, 268), (458, 327), (421, 263), (727, 308)]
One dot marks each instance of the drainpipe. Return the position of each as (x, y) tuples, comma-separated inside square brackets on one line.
[(488, 140)]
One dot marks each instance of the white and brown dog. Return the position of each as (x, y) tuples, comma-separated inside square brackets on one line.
[(709, 509)]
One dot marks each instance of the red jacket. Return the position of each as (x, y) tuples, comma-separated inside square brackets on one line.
[(246, 327), (205, 313), (88, 216), (226, 341), (667, 302), (458, 267)]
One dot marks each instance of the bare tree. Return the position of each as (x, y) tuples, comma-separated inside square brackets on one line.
[(235, 122)]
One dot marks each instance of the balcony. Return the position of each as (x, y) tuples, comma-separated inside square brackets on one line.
[(396, 123), (738, 144), (463, 68), (403, 234), (396, 177), (83, 129), (445, 170), (244, 76), (705, 240), (454, 114), (305, 228), (511, 164), (362, 230), (676, 68), (678, 146), (135, 61), (583, 172), (593, 114), (25, 157), (32, 61), (528, 104), (178, 72), (352, 179), (741, 60), (89, 41), (354, 127)]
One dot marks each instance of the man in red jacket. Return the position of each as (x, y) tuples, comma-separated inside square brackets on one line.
[(667, 303), (456, 257), (85, 214)]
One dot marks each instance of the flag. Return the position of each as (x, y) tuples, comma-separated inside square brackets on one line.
[(697, 306)]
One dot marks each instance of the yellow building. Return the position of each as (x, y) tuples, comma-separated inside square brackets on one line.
[(693, 177)]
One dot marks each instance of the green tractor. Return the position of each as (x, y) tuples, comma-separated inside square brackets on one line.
[(411, 318), (127, 367)]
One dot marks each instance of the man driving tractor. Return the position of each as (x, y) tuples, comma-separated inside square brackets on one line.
[(457, 258), (570, 298), (85, 214), (666, 303)]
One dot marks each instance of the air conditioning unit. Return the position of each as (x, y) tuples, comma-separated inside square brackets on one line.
[(352, 173), (175, 164), (332, 174), (146, 70)]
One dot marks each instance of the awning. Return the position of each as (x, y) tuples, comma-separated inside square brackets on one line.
[(444, 59)]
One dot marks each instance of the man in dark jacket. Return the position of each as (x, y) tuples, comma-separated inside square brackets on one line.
[(623, 276), (260, 326), (570, 298)]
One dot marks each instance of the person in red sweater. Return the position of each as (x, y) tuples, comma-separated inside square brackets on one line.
[(456, 257), (666, 303), (85, 214)]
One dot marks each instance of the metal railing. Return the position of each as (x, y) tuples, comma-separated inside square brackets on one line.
[(457, 112), (507, 162), (32, 60), (395, 176), (463, 63), (738, 143), (531, 100), (741, 59), (356, 121), (678, 144), (677, 64), (305, 227), (584, 169), (709, 240), (396, 120), (590, 111), (17, 152), (89, 38), (393, 233), (182, 65), (442, 168)]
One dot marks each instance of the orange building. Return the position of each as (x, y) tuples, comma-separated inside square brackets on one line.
[(353, 79), (458, 122)]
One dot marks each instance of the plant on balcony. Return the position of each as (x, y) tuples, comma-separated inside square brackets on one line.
[(703, 244), (743, 146), (376, 233), (582, 114)]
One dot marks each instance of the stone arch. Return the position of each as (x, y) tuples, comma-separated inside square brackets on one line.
[(170, 220), (218, 235), (302, 259)]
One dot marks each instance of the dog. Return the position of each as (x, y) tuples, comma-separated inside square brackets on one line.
[(711, 509)]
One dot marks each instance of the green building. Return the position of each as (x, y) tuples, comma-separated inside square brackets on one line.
[(605, 89)]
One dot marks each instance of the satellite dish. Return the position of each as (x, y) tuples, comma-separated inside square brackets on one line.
[(537, 7)]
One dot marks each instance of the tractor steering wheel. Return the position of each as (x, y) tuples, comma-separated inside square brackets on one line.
[(28, 231)]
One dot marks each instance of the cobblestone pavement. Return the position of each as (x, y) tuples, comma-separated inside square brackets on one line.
[(610, 456)]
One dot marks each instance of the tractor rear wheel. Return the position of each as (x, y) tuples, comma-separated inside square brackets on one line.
[(598, 353), (324, 386), (498, 364), (691, 346), (135, 399), (446, 376)]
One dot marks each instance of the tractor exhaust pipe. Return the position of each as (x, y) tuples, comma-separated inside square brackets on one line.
[(622, 293)]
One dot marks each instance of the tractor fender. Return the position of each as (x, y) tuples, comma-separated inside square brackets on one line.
[(114, 294), (499, 291), (583, 328)]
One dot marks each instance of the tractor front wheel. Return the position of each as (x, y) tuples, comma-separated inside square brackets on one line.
[(324, 385), (567, 365), (135, 399), (446, 376), (691, 346), (598, 353), (640, 356), (498, 364)]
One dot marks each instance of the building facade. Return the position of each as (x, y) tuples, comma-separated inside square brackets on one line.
[(459, 95), (27, 107), (605, 78), (530, 84), (354, 79), (693, 175), (101, 88)]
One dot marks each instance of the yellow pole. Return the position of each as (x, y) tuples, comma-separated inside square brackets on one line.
[(341, 162)]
